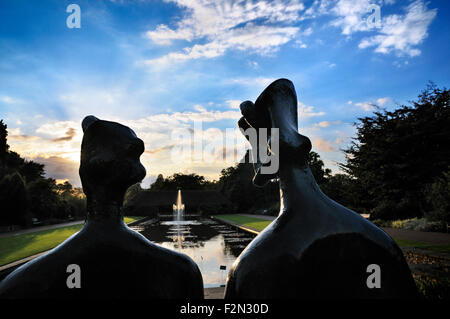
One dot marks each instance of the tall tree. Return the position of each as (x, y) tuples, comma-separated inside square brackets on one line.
[(4, 147), (13, 199), (397, 153)]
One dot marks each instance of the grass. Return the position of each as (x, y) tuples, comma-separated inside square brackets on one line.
[(13, 248), (251, 222), (16, 247), (129, 219), (443, 248)]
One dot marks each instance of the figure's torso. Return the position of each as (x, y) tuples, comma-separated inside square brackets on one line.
[(120, 264)]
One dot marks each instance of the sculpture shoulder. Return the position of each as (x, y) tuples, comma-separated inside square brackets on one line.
[(322, 270)]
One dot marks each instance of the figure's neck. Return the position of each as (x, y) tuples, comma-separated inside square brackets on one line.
[(298, 188), (104, 211)]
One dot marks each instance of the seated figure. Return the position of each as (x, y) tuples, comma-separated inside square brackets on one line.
[(315, 248), (113, 261)]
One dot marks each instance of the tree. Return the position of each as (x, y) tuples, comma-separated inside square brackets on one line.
[(158, 184), (396, 154), (318, 169), (343, 189), (23, 182), (131, 192), (4, 147), (438, 197), (13, 199), (179, 180), (46, 201)]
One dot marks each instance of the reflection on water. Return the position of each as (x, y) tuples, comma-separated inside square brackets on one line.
[(209, 243)]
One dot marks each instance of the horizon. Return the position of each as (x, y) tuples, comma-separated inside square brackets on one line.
[(162, 66)]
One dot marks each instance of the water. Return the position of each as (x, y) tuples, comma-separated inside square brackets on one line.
[(178, 208), (209, 243)]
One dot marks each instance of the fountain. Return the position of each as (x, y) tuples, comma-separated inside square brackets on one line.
[(178, 216), (178, 208)]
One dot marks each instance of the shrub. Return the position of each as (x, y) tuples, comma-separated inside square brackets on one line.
[(438, 197), (419, 224), (382, 223)]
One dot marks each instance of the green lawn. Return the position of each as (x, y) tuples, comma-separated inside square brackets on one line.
[(20, 246), (252, 222), (13, 248), (444, 248), (129, 219)]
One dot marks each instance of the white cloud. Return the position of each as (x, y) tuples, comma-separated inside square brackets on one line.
[(10, 100), (57, 143), (228, 24), (254, 81), (399, 33), (321, 144), (366, 106), (383, 100), (324, 124), (370, 106), (402, 33), (234, 104), (163, 35), (305, 111), (351, 15)]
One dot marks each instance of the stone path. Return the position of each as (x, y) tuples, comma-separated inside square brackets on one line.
[(214, 293), (413, 235)]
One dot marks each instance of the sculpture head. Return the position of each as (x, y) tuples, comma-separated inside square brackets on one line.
[(109, 162), (276, 107)]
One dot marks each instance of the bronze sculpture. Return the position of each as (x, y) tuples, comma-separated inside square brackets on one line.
[(113, 261), (316, 248)]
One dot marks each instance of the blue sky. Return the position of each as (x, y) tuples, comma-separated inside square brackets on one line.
[(159, 65)]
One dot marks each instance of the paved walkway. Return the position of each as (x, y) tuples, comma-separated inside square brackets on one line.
[(413, 235), (214, 293), (39, 228)]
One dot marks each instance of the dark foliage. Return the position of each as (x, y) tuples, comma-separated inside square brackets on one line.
[(26, 193), (395, 155), (179, 180)]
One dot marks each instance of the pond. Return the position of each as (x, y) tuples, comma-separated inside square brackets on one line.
[(212, 245)]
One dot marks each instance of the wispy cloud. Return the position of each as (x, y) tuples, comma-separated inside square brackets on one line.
[(307, 111), (260, 27), (253, 81), (402, 33), (398, 33), (70, 134), (324, 124)]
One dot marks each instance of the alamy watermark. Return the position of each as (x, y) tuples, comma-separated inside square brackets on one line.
[(374, 19), (74, 279), (374, 279), (74, 19)]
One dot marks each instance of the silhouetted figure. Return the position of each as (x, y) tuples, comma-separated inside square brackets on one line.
[(316, 248), (114, 261)]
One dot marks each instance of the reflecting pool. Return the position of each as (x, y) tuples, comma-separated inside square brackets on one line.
[(212, 245)]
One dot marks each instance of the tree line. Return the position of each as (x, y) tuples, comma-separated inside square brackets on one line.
[(25, 192)]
